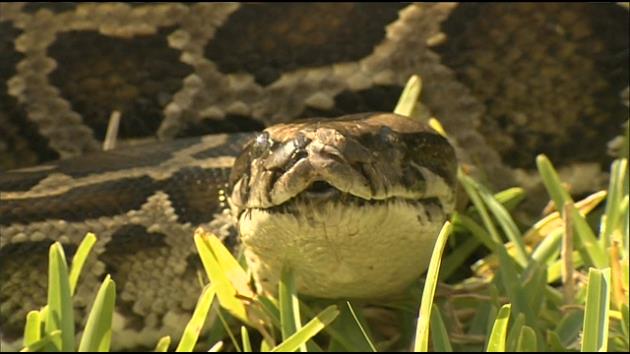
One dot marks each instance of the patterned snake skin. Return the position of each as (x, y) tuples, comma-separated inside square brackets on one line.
[(507, 81)]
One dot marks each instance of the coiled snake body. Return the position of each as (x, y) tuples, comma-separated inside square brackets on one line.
[(353, 204), (495, 75)]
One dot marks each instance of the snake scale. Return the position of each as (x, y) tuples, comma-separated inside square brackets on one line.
[(494, 74)]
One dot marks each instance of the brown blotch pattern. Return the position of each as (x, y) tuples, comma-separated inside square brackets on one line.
[(136, 76), (20, 142), (549, 74), (297, 36)]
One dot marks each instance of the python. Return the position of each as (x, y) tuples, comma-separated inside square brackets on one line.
[(353, 204)]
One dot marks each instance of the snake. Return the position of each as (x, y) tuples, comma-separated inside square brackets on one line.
[(193, 81), (353, 205)]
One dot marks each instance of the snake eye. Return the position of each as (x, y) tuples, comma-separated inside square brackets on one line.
[(261, 144), (387, 135)]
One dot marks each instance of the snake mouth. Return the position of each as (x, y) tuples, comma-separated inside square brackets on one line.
[(321, 197), (321, 190)]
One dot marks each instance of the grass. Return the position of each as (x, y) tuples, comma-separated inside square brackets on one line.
[(560, 284)]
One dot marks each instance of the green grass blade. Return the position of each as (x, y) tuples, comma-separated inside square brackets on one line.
[(32, 328), (553, 342), (554, 296), (584, 235), (547, 248), (458, 256), (496, 245), (566, 256), (60, 314), (289, 304), (510, 197), (470, 186), (554, 220), (619, 296), (230, 265), (216, 347), (552, 182), (163, 344), (508, 265), (98, 329), (270, 309), (615, 195), (515, 332), (515, 291), (554, 271), (366, 337), (265, 347), (195, 325), (247, 344), (79, 259), (439, 335), (224, 273), (477, 230), (309, 330), (533, 286), (228, 330), (497, 340), (625, 322), (479, 323), (535, 276), (424, 315), (595, 328), (626, 225), (409, 97), (343, 331), (587, 240), (527, 340), (48, 341), (505, 220), (491, 316), (569, 327)]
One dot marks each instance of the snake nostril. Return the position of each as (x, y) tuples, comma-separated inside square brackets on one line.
[(301, 141)]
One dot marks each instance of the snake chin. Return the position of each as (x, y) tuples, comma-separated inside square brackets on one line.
[(341, 248)]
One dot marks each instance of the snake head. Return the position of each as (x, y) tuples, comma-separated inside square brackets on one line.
[(353, 205), (372, 156)]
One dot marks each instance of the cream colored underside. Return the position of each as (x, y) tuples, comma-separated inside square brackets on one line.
[(337, 251)]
